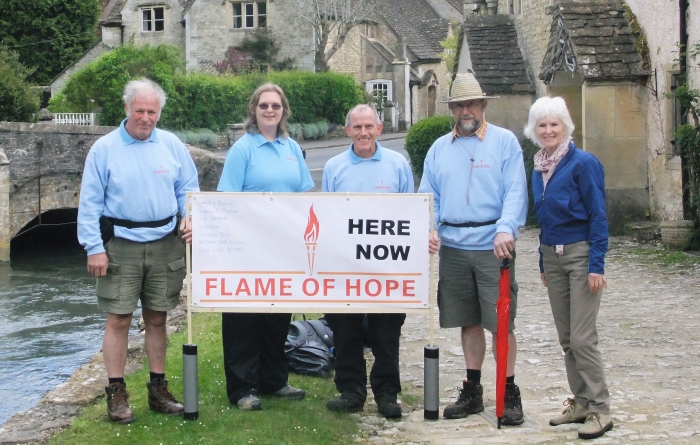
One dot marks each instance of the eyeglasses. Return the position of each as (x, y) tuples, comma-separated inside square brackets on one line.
[(263, 106)]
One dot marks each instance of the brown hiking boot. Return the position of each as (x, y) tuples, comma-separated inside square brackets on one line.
[(118, 403), (470, 401), (160, 398)]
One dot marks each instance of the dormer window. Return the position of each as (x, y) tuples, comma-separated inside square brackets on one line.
[(249, 14), (153, 19)]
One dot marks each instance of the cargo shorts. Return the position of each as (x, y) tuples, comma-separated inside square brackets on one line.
[(468, 288), (151, 272)]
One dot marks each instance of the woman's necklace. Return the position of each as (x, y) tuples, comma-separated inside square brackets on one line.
[(471, 158)]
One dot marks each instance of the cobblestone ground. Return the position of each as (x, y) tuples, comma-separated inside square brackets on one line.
[(648, 329)]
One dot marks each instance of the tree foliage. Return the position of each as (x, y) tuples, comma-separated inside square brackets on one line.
[(18, 101), (332, 21), (101, 83), (48, 35), (256, 52)]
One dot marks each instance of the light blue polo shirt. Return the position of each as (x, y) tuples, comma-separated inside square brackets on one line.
[(385, 172), (134, 180), (255, 164)]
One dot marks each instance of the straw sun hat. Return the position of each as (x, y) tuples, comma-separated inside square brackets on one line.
[(466, 87)]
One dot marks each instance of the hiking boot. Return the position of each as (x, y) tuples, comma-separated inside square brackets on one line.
[(573, 413), (596, 425), (290, 393), (345, 404), (388, 407), (118, 403), (249, 403), (513, 407), (161, 400), (469, 401)]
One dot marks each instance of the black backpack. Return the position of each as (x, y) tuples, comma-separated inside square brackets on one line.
[(308, 348)]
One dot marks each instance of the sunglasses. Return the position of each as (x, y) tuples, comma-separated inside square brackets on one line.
[(275, 107)]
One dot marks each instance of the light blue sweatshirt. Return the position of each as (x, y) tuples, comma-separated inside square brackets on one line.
[(254, 164), (385, 172), (495, 182), (134, 180)]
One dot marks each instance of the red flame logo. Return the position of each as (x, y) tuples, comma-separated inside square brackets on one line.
[(311, 233)]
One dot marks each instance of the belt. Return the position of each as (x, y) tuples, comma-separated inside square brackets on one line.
[(138, 224), (470, 224)]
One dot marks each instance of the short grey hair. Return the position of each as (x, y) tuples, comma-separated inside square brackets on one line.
[(359, 107), (548, 107), (139, 87)]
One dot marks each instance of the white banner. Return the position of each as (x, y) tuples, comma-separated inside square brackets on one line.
[(310, 252)]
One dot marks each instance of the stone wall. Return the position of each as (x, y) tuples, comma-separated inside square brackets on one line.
[(660, 21), (41, 169), (510, 111), (173, 33), (348, 59), (210, 32)]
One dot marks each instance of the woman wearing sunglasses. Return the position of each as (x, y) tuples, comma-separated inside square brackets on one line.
[(265, 159)]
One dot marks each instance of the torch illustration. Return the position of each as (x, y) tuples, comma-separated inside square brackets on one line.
[(310, 237)]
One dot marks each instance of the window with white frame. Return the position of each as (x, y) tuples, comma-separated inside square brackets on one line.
[(380, 90), (153, 19), (249, 14)]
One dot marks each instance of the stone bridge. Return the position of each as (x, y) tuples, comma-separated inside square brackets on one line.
[(41, 169)]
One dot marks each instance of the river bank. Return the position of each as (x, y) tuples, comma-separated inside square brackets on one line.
[(57, 408)]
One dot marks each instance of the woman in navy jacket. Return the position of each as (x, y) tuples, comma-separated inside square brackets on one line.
[(569, 189)]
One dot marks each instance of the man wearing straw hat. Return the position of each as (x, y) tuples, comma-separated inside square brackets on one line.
[(477, 176)]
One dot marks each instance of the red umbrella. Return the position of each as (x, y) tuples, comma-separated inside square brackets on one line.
[(503, 315)]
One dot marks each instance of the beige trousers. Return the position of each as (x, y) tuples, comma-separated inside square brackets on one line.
[(575, 310)]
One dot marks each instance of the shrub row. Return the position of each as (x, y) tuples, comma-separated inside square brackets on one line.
[(201, 136), (200, 100)]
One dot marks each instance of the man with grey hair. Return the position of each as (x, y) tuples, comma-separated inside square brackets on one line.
[(477, 177), (370, 168), (131, 198)]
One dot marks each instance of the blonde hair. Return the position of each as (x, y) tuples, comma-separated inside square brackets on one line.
[(251, 122)]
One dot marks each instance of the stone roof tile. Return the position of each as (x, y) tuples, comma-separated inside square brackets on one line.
[(418, 24), (594, 37), (495, 55)]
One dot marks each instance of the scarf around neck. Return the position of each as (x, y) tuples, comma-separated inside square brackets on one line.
[(546, 164)]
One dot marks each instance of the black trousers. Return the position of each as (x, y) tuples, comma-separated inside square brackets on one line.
[(254, 360), (350, 366)]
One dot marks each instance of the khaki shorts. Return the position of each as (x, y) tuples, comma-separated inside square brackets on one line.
[(151, 272), (468, 288)]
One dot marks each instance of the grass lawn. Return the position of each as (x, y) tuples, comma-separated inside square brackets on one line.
[(280, 422)]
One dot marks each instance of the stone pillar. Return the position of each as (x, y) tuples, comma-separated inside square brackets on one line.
[(491, 7), (5, 234), (235, 132), (389, 116)]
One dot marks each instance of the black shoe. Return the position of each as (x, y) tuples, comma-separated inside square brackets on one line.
[(513, 410), (388, 407), (470, 401), (345, 404)]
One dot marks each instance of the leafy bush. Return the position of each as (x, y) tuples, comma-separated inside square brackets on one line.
[(529, 150), (310, 131), (295, 131), (59, 104), (421, 136), (101, 83), (201, 136), (18, 101), (200, 100), (317, 96), (322, 128)]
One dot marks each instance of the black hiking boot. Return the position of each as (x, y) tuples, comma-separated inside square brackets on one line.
[(513, 410), (469, 401)]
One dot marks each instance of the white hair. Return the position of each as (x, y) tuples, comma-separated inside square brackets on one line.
[(358, 107), (548, 107), (139, 87)]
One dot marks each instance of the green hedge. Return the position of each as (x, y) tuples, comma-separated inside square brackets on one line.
[(200, 100), (422, 135)]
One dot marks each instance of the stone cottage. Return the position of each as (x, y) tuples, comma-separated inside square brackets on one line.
[(615, 62)]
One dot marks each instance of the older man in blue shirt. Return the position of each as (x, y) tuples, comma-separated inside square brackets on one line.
[(477, 176), (367, 167), (133, 190)]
